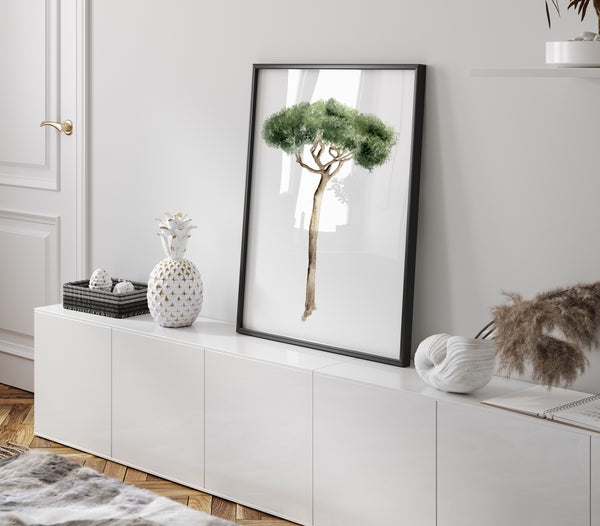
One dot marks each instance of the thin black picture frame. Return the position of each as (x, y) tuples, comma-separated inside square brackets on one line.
[(404, 354)]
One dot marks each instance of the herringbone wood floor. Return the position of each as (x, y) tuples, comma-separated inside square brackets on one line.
[(16, 425)]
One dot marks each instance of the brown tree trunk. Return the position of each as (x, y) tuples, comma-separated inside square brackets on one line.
[(597, 8), (326, 169), (309, 304)]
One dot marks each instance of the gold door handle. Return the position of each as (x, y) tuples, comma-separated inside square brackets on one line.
[(65, 127)]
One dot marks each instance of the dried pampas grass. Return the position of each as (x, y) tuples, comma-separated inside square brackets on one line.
[(551, 331)]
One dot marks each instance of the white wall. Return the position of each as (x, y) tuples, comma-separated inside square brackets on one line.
[(509, 187)]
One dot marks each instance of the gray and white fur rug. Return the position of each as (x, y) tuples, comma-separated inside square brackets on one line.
[(42, 489)]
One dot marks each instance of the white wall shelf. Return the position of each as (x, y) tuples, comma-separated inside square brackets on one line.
[(548, 72)]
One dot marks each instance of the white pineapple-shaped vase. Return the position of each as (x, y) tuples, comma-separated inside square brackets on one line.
[(175, 290)]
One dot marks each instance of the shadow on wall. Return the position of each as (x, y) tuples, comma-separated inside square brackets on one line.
[(432, 274), (587, 382)]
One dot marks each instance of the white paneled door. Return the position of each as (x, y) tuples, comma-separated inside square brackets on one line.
[(42, 169)]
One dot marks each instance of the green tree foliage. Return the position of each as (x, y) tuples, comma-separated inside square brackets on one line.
[(335, 134), (366, 137)]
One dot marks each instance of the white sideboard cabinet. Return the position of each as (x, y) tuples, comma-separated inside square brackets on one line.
[(595, 493), (374, 455), (158, 405), (317, 438), (495, 469), (72, 382), (259, 434)]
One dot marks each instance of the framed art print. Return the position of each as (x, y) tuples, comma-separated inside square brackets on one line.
[(330, 219)]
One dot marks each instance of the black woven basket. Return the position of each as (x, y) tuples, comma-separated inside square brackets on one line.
[(77, 295)]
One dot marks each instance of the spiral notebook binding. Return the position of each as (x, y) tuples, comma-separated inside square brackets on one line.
[(571, 405)]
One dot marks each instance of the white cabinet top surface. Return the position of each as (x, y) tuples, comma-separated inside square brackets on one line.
[(221, 336), (407, 380), (211, 334)]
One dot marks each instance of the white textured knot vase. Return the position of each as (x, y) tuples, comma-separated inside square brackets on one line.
[(454, 363), (175, 289)]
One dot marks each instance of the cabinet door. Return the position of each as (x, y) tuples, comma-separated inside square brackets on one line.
[(595, 481), (158, 406), (374, 455), (497, 468), (259, 435), (72, 382)]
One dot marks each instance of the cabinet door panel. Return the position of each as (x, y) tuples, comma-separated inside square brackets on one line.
[(158, 406), (595, 481), (374, 455), (259, 434), (72, 382), (496, 468)]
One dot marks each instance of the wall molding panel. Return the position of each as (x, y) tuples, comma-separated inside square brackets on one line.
[(30, 275)]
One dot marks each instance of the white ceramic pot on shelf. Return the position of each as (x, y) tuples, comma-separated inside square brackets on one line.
[(573, 53)]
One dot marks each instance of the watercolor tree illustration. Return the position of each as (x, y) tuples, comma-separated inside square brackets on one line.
[(335, 134)]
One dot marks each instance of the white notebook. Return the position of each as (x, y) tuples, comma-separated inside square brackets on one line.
[(584, 414), (562, 405)]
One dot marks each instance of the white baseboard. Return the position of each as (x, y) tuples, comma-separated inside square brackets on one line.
[(16, 371)]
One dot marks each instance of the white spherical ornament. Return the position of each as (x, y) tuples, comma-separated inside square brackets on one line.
[(455, 364), (123, 287), (175, 293), (100, 280)]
